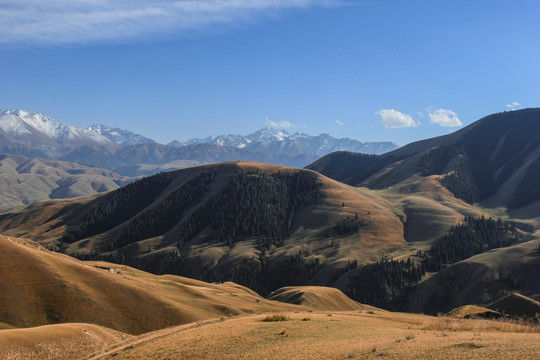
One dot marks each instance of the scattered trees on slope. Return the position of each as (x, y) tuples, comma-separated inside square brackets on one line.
[(384, 283), (473, 236)]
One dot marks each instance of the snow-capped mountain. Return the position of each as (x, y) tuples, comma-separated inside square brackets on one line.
[(268, 135), (119, 136), (21, 124), (281, 142), (35, 135), (236, 141)]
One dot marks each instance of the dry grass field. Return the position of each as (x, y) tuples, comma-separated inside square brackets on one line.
[(40, 287), (335, 335), (85, 300), (62, 341)]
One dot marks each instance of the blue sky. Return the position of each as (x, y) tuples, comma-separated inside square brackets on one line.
[(368, 70)]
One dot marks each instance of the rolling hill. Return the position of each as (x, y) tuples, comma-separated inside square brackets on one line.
[(405, 241), (495, 160), (40, 287), (256, 224), (25, 181), (77, 306), (491, 163), (318, 298), (266, 227)]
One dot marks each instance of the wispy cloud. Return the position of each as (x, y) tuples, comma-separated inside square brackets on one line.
[(394, 119), (513, 105), (79, 21), (339, 123), (281, 124), (445, 118)]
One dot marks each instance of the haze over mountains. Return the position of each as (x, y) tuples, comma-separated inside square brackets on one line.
[(37, 135), (25, 181)]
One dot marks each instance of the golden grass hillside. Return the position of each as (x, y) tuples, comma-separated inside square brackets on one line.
[(58, 342), (39, 287), (335, 335), (317, 297), (474, 311), (430, 209)]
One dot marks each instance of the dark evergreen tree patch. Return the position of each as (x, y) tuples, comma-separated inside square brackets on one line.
[(118, 206)]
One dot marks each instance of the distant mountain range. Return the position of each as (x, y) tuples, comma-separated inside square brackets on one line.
[(281, 142), (119, 136), (22, 126), (35, 135)]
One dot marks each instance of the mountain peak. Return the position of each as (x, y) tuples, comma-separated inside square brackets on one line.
[(119, 136), (20, 123), (269, 134)]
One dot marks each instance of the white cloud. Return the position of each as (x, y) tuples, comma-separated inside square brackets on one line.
[(513, 105), (339, 123), (394, 119), (281, 124), (79, 21), (445, 118)]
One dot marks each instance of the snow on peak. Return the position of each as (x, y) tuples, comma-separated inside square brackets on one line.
[(23, 123), (268, 134), (280, 141), (119, 136)]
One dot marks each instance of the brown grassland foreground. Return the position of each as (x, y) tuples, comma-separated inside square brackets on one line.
[(335, 335), (171, 317), (364, 334), (61, 341)]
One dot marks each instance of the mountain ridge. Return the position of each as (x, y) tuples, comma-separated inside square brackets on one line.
[(270, 139), (476, 162), (37, 135)]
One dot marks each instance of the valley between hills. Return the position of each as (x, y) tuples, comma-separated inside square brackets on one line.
[(244, 259)]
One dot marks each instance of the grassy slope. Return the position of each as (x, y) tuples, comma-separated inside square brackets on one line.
[(476, 280), (474, 311), (365, 335), (40, 287), (58, 342), (317, 298)]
